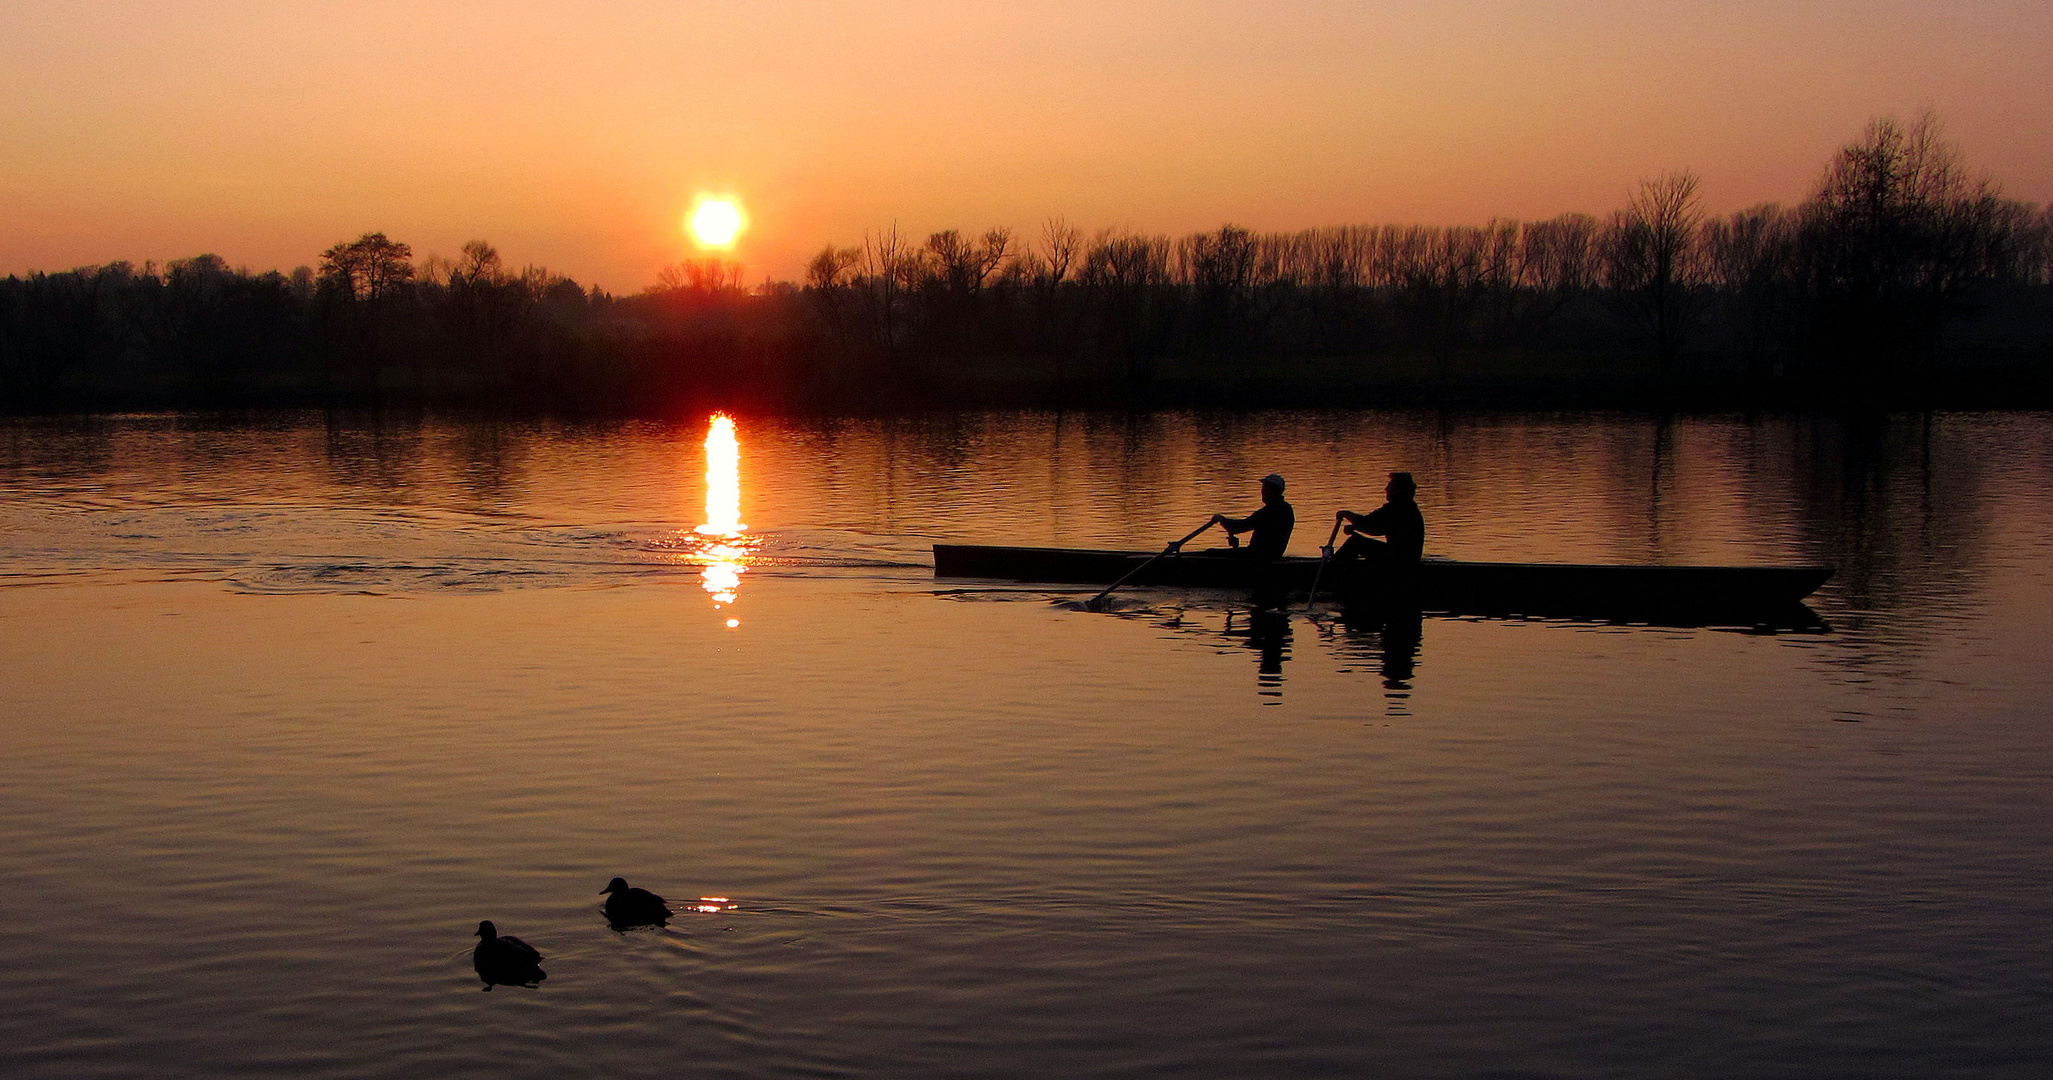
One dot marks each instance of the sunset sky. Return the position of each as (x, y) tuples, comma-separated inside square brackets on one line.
[(578, 135)]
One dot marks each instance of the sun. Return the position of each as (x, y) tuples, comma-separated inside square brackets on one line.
[(714, 223)]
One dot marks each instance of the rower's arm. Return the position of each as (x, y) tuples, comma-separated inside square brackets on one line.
[(1365, 523)]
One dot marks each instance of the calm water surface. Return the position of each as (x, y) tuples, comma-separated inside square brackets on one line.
[(286, 707)]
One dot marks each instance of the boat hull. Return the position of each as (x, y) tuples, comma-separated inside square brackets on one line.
[(1745, 594)]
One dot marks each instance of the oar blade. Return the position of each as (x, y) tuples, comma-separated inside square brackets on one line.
[(1097, 603)]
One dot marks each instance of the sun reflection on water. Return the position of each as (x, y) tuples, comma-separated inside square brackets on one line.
[(722, 544), (723, 479)]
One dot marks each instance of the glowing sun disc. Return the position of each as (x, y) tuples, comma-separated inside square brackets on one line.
[(715, 223)]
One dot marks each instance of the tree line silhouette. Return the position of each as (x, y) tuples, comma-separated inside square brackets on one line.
[(1901, 269)]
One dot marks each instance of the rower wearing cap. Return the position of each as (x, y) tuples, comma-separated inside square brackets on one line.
[(1270, 525), (1397, 520)]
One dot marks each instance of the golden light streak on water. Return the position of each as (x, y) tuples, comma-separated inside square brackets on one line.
[(723, 479), (724, 547)]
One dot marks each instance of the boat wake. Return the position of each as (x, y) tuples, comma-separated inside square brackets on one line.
[(310, 548)]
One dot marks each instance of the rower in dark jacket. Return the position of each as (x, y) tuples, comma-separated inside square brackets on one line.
[(1270, 525), (1398, 521)]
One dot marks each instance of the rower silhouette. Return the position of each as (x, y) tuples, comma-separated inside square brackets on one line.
[(1398, 521), (1271, 524)]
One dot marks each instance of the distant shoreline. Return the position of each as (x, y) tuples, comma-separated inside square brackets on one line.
[(1944, 388), (1903, 282)]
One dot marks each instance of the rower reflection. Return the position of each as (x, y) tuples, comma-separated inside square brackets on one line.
[(1267, 631), (1362, 638), (1389, 636)]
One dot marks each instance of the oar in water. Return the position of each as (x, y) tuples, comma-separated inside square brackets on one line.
[(1325, 554), (1097, 601)]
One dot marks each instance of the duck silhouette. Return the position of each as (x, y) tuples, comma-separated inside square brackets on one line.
[(505, 961), (627, 907)]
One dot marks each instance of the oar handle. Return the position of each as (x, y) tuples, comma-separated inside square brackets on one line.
[(1325, 553)]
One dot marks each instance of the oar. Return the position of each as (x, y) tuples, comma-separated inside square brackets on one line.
[(1094, 601), (1325, 553)]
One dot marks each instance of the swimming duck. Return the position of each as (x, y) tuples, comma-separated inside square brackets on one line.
[(633, 907), (507, 960)]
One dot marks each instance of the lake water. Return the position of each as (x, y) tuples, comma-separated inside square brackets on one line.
[(288, 705)]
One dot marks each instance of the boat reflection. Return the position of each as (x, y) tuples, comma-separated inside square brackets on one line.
[(1386, 639), (722, 546)]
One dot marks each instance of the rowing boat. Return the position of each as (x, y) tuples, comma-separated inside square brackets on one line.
[(1625, 592)]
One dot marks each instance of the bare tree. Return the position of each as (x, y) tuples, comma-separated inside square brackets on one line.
[(367, 274), (485, 309), (1063, 242), (480, 263), (1650, 260), (55, 328), (1552, 264), (886, 265), (1124, 275), (2042, 242), (1746, 256), (830, 269), (1895, 233), (955, 260), (369, 267), (1559, 255), (1220, 268), (992, 252), (709, 276)]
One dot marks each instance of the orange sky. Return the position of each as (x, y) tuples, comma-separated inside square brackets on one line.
[(575, 135)]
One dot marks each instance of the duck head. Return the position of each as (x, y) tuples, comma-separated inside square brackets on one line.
[(487, 931), (616, 885)]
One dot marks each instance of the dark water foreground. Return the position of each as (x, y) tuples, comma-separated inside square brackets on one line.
[(285, 709)]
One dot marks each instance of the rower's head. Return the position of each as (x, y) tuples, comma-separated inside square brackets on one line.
[(1402, 488), (1272, 488)]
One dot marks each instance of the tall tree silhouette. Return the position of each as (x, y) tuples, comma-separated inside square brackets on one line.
[(369, 267), (1892, 238), (1651, 263), (362, 277)]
